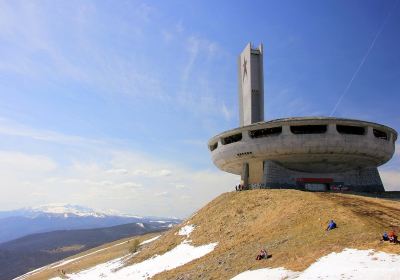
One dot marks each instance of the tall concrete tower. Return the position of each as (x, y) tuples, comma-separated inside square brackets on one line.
[(251, 85), (306, 153)]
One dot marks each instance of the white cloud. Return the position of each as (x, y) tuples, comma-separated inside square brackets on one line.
[(390, 172), (196, 48), (192, 47), (161, 194), (391, 179), (151, 172), (140, 172), (226, 112), (172, 32), (168, 36), (118, 171), (108, 180), (165, 172), (27, 27), (12, 128), (99, 175), (144, 11), (128, 186), (179, 27), (195, 142), (11, 161), (110, 73)]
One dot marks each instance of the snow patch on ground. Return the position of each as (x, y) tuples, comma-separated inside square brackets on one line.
[(92, 253), (114, 270), (178, 256), (348, 264), (140, 224), (150, 240), (62, 263), (186, 230), (266, 273), (160, 222)]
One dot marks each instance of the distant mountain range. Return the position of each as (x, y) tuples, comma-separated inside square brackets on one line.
[(30, 252), (18, 223)]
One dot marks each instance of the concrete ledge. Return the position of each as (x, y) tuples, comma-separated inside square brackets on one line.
[(324, 152)]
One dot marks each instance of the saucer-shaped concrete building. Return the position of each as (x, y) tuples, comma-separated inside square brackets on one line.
[(312, 153)]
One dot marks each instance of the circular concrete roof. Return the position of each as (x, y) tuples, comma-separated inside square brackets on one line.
[(308, 144), (299, 120)]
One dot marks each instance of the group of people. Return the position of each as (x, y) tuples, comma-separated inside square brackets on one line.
[(263, 253), (391, 237), (240, 187)]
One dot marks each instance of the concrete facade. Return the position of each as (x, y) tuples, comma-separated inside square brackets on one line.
[(329, 151), (285, 157), (251, 85), (310, 153), (359, 180)]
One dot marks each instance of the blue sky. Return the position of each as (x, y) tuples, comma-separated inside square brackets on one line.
[(110, 104)]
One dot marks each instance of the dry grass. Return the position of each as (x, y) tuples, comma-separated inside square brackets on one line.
[(290, 224), (111, 252), (70, 248)]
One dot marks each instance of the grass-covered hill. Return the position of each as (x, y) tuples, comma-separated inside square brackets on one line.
[(30, 252), (290, 224)]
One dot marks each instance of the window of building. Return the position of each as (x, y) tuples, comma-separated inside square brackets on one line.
[(265, 132), (212, 147), (350, 129), (308, 129), (380, 134), (244, 154), (231, 139)]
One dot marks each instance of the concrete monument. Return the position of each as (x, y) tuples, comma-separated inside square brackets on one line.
[(251, 85), (312, 153)]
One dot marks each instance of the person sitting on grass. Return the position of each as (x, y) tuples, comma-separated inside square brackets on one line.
[(385, 237), (331, 225), (262, 255), (392, 237)]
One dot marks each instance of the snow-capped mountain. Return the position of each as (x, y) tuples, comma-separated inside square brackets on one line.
[(57, 216), (67, 210)]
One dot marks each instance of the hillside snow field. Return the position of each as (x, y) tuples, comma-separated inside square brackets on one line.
[(348, 264), (222, 239), (178, 256), (102, 254)]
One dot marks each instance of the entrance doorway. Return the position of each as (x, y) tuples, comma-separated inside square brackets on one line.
[(314, 184), (316, 187)]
